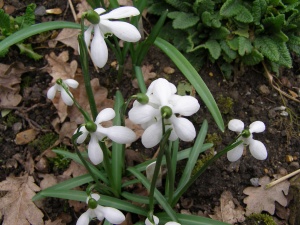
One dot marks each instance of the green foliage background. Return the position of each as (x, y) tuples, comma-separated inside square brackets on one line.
[(232, 32)]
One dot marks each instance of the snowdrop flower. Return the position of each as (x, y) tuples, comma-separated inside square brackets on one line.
[(114, 216), (257, 148), (156, 221), (124, 31), (119, 134), (163, 100), (64, 95)]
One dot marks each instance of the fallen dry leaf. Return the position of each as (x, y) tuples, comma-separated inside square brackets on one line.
[(82, 7), (10, 79), (146, 70), (229, 211), (75, 169), (25, 137), (59, 67), (17, 206), (48, 180), (55, 222), (68, 37), (262, 199)]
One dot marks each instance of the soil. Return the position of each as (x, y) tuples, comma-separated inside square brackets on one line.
[(252, 96)]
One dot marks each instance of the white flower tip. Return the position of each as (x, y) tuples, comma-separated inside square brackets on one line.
[(257, 127), (156, 221), (236, 125), (51, 92), (113, 215), (258, 150)]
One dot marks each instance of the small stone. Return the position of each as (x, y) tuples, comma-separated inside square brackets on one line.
[(294, 166), (42, 165), (264, 89), (169, 70), (17, 127), (255, 181), (289, 158), (282, 171)]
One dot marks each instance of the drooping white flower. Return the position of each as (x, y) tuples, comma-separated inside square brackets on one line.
[(123, 30), (257, 148), (114, 216), (64, 95), (161, 93), (119, 134), (156, 221)]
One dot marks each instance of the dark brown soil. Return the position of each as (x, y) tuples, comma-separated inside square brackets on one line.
[(253, 99)]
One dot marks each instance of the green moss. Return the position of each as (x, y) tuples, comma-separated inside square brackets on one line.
[(11, 119), (225, 104), (214, 139), (260, 219), (45, 141), (59, 163), (203, 159)]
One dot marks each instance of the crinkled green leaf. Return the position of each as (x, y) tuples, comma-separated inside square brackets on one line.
[(202, 6), (259, 8), (244, 15), (268, 47), (244, 32), (253, 58), (285, 56), (28, 18), (179, 5), (227, 50), (183, 20), (230, 8), (245, 46), (4, 21), (158, 8), (274, 24), (219, 33), (27, 50), (233, 43), (214, 48)]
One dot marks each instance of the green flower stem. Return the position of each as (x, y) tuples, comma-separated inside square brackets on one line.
[(162, 147), (170, 178), (179, 192), (140, 79), (85, 69)]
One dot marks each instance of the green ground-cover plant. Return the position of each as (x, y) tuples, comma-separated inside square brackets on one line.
[(10, 25), (232, 32)]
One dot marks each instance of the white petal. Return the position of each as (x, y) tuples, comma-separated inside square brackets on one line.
[(114, 216), (84, 219), (236, 125), (172, 223), (124, 31), (66, 98), (99, 52), (152, 135), (99, 10), (156, 221), (121, 12), (173, 136), (83, 136), (71, 83), (95, 196), (94, 151), (257, 127), (162, 90), (52, 92), (87, 35), (105, 115), (119, 134), (142, 113), (258, 150), (183, 128), (98, 213), (185, 105), (236, 153)]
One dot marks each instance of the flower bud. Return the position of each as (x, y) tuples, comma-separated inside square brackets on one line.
[(166, 112), (92, 203), (92, 16), (59, 81), (142, 98), (246, 133), (91, 126)]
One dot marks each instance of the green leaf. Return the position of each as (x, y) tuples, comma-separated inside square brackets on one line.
[(268, 47), (4, 21), (3, 52), (274, 24), (219, 33), (24, 33), (227, 50), (158, 8), (244, 15), (233, 43), (253, 58), (183, 20), (230, 8), (245, 46), (259, 8), (214, 48), (27, 50), (28, 18), (179, 5), (285, 56), (193, 77), (244, 32)]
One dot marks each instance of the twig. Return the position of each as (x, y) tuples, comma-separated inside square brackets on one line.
[(73, 10), (271, 81), (282, 179)]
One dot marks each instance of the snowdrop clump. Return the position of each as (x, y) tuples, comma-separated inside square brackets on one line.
[(57, 87), (114, 216), (124, 31), (119, 134), (164, 103), (257, 148)]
